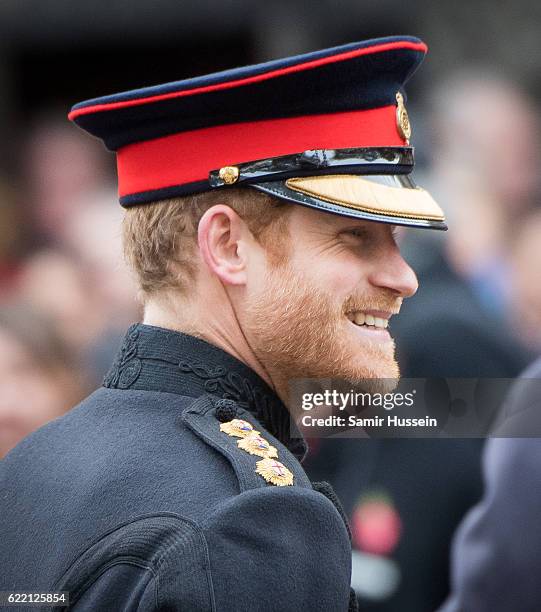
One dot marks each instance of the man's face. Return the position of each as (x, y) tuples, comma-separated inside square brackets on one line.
[(324, 312)]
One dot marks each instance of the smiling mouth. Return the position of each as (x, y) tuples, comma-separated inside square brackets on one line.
[(370, 320)]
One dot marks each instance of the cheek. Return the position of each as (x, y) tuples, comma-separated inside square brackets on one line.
[(339, 275), (345, 280)]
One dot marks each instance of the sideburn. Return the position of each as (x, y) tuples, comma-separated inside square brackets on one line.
[(276, 240)]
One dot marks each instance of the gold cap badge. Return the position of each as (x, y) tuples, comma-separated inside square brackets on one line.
[(402, 119), (274, 472), (254, 444), (238, 428), (229, 174)]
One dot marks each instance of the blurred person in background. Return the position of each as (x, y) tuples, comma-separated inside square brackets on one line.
[(525, 294), (485, 159), (91, 283), (496, 551), (67, 262), (39, 379), (94, 238), (54, 283), (11, 233), (60, 169)]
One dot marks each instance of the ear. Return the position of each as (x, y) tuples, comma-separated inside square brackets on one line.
[(220, 237)]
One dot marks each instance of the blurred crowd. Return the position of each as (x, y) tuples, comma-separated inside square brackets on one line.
[(66, 297)]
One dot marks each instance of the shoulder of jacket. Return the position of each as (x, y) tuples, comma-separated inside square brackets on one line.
[(214, 421)]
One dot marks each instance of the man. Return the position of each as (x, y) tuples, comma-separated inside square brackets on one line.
[(261, 204)]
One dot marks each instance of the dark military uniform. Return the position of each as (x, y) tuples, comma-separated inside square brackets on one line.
[(136, 500)]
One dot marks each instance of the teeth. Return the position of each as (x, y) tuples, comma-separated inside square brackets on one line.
[(380, 322), (359, 318)]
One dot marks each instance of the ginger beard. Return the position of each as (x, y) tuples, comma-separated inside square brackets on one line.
[(297, 330)]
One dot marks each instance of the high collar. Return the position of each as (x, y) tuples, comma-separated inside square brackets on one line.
[(156, 359)]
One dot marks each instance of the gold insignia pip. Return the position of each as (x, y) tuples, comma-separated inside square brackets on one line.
[(254, 444), (402, 119), (229, 174), (274, 472), (238, 428)]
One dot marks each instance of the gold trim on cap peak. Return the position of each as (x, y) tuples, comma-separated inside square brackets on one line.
[(358, 193)]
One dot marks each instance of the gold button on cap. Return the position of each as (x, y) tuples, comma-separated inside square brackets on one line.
[(229, 174)]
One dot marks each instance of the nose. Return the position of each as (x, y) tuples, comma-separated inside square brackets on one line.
[(391, 271)]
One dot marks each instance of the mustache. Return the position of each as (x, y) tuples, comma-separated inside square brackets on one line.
[(385, 302)]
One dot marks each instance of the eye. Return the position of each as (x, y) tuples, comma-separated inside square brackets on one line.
[(362, 239), (359, 232), (358, 237)]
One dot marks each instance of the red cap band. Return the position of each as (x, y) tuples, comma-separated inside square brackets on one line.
[(190, 156)]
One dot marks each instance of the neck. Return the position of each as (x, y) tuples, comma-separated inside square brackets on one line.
[(221, 330)]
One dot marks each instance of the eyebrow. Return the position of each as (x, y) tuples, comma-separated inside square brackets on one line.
[(350, 223)]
